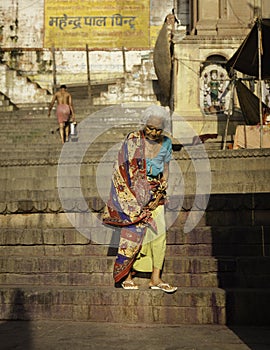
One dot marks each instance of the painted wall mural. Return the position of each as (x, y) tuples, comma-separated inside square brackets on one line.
[(99, 24), (214, 93)]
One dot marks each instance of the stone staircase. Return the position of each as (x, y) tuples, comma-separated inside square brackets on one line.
[(139, 84), (21, 92), (53, 269), (5, 104), (67, 277)]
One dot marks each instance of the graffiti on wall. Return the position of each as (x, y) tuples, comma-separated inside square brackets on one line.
[(98, 24)]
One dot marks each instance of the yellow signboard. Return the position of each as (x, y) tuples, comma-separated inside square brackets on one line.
[(99, 24)]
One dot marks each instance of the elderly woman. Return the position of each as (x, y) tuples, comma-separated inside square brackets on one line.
[(137, 198)]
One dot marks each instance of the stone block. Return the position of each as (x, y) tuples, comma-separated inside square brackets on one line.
[(102, 306), (248, 306)]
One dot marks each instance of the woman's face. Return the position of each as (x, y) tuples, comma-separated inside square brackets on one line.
[(153, 128)]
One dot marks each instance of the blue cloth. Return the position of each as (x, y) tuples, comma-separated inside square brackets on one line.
[(155, 166)]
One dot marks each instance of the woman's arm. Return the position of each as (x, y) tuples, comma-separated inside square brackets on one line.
[(163, 185), (165, 176)]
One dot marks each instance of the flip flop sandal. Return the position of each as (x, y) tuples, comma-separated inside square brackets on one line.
[(165, 287), (129, 285)]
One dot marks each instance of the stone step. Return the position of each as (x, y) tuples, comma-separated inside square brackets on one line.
[(104, 264), (53, 229), (24, 140), (74, 154), (186, 271), (52, 146), (51, 143), (8, 108), (30, 179), (51, 137), (222, 210), (176, 251), (4, 103), (39, 116), (108, 304), (98, 271), (88, 123), (68, 163), (80, 92), (172, 250), (56, 228), (105, 279), (109, 114), (57, 237), (247, 306), (32, 182), (46, 130), (33, 147), (41, 123)]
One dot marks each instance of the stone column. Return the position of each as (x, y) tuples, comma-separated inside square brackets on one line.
[(208, 15), (265, 8), (193, 10), (223, 17)]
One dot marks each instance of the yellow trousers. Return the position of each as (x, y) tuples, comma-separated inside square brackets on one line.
[(153, 249)]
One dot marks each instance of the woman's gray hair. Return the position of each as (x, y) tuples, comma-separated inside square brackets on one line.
[(156, 111)]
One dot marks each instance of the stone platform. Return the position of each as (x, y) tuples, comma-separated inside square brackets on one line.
[(44, 335)]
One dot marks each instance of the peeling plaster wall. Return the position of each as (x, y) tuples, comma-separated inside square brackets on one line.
[(22, 22), (159, 10), (21, 47)]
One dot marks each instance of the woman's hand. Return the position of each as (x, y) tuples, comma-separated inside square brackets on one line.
[(154, 203)]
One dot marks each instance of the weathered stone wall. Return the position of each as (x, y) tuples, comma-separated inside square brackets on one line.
[(218, 29), (22, 22), (21, 40), (214, 17)]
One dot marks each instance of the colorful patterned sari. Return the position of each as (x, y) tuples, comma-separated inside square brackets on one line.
[(127, 208)]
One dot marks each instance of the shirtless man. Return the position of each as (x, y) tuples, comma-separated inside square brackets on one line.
[(63, 111)]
